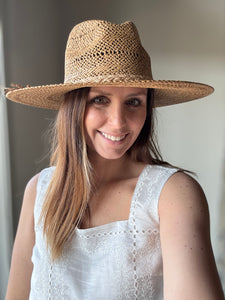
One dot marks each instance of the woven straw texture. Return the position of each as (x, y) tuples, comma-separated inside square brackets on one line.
[(99, 53)]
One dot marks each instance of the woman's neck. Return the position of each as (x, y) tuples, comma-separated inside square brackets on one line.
[(106, 170)]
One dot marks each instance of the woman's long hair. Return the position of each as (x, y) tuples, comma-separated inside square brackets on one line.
[(68, 193)]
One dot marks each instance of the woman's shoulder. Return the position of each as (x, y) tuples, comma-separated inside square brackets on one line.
[(183, 195), (46, 172), (32, 184), (161, 168), (182, 185), (38, 180), (157, 175)]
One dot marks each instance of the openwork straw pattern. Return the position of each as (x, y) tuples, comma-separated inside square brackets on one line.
[(106, 51), (99, 53)]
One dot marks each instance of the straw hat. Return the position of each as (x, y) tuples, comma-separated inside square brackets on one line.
[(99, 53)]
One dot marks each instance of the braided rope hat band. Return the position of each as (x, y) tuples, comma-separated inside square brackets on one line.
[(99, 53)]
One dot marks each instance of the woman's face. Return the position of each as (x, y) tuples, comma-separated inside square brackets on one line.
[(114, 117)]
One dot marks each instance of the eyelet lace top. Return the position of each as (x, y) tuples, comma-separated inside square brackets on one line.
[(118, 260)]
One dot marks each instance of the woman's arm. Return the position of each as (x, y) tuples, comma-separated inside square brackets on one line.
[(188, 262), (21, 265)]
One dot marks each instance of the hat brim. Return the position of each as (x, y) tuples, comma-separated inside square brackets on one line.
[(167, 92)]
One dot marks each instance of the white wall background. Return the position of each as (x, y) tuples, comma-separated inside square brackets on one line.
[(185, 39)]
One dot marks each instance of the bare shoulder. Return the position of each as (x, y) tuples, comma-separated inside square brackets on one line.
[(32, 185), (26, 216), (30, 195), (183, 194)]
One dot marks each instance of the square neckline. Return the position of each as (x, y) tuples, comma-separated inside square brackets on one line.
[(111, 225)]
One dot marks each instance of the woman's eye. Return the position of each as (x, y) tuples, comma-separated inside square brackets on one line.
[(99, 100), (134, 102)]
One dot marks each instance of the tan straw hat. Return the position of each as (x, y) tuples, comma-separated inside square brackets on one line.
[(99, 53)]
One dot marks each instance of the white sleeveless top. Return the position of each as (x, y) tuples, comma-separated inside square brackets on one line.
[(119, 260)]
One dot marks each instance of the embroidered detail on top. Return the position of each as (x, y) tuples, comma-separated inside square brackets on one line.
[(136, 195), (94, 235), (122, 260)]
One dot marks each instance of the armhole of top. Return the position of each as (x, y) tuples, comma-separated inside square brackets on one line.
[(42, 185), (162, 181), (42, 180)]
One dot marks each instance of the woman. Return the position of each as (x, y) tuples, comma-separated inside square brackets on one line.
[(110, 219)]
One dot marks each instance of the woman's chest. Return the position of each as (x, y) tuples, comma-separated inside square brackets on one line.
[(110, 203)]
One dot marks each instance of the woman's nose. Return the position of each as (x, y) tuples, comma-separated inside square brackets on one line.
[(117, 116)]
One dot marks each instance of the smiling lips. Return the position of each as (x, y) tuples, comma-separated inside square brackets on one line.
[(113, 138)]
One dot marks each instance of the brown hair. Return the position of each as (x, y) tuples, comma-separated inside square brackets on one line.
[(68, 193), (145, 149)]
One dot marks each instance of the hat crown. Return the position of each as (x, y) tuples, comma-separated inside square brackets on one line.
[(99, 50)]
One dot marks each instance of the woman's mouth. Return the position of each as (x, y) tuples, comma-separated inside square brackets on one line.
[(112, 137)]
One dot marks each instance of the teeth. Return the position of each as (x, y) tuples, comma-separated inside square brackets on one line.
[(113, 138)]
